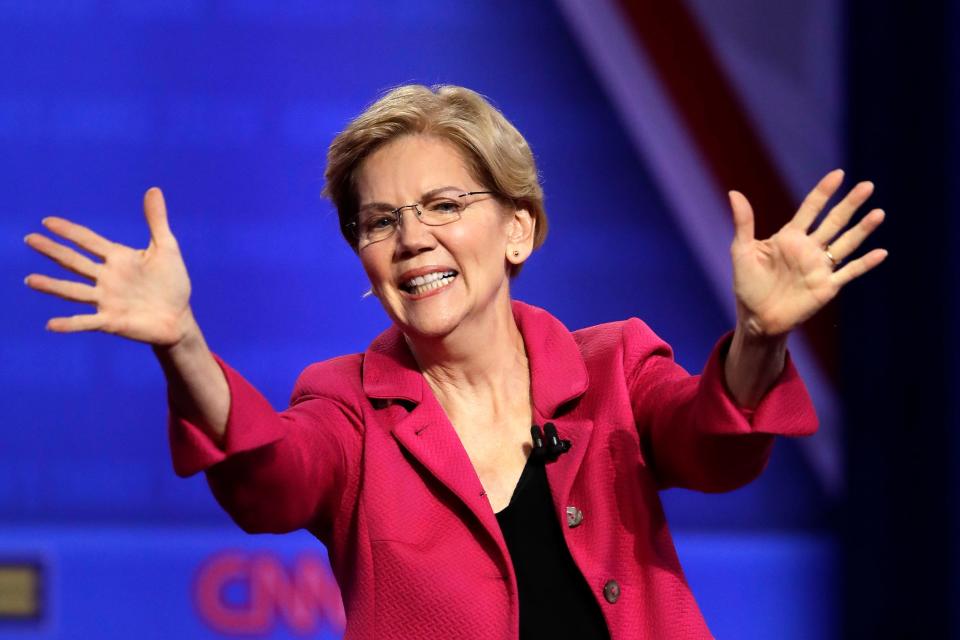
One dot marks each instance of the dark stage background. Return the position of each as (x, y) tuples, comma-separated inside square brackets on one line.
[(642, 115)]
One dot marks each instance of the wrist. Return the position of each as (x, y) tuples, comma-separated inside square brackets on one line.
[(753, 363), (752, 328), (746, 336), (187, 338)]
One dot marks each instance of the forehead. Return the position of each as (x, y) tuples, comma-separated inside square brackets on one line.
[(407, 167)]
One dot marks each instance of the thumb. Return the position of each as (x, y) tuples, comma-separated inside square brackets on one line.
[(155, 211), (742, 217)]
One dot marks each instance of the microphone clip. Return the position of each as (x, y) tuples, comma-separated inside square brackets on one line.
[(547, 443)]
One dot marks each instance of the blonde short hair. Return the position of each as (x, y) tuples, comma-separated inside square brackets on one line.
[(495, 152)]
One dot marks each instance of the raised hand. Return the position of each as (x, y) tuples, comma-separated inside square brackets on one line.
[(141, 294), (783, 280)]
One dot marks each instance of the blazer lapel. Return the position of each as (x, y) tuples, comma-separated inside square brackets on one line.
[(426, 433), (563, 471), (391, 373), (558, 377)]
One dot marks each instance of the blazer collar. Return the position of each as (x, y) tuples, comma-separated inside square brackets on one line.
[(557, 371), (390, 370)]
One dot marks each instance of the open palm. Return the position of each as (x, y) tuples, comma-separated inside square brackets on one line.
[(141, 294), (783, 280)]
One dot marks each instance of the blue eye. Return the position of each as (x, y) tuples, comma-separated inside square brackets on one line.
[(444, 206), (378, 223)]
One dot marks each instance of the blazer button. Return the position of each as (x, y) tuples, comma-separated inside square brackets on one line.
[(611, 591), (574, 517)]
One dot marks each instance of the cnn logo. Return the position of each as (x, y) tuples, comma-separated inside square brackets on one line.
[(244, 593)]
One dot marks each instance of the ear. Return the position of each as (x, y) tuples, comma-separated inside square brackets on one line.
[(520, 230)]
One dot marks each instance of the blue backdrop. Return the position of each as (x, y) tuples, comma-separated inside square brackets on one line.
[(229, 106)]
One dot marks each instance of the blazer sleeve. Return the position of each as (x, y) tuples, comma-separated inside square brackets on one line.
[(692, 432), (277, 471)]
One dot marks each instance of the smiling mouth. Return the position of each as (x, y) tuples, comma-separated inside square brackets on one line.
[(430, 282)]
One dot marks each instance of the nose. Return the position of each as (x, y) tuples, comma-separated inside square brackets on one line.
[(413, 236)]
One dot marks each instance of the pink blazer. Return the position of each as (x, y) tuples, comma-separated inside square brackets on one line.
[(366, 460)]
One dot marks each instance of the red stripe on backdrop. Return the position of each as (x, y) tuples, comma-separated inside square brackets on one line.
[(716, 119)]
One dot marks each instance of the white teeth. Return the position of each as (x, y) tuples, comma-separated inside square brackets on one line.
[(419, 281), (422, 284)]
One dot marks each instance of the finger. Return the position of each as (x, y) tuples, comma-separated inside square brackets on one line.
[(79, 235), (854, 237), (858, 267), (66, 289), (742, 217), (63, 255), (86, 322), (813, 204), (155, 210), (840, 215)]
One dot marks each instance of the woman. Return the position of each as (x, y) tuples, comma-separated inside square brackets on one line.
[(414, 462)]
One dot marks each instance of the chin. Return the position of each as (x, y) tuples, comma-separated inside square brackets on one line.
[(434, 323), (434, 317)]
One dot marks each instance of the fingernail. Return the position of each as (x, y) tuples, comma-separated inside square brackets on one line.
[(25, 281)]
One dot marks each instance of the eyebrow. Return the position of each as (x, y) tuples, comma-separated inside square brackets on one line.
[(385, 206)]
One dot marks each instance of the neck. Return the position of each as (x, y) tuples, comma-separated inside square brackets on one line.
[(483, 361)]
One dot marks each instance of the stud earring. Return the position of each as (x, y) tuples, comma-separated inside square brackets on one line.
[(515, 253)]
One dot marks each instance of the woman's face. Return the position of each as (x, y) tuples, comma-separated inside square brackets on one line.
[(475, 249)]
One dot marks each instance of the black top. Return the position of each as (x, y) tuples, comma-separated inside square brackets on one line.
[(555, 599)]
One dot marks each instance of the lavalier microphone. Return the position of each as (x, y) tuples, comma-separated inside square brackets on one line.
[(547, 443)]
